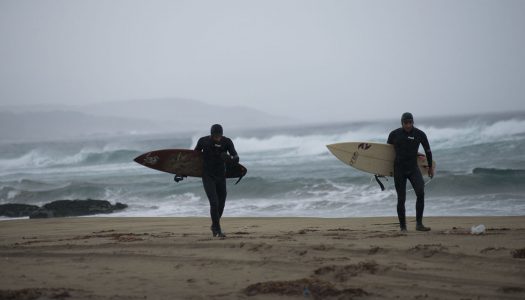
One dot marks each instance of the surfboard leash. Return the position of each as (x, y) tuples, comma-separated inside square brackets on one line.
[(379, 181), (423, 185), (383, 186), (239, 179)]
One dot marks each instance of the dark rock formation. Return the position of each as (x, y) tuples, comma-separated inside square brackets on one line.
[(14, 210), (71, 208)]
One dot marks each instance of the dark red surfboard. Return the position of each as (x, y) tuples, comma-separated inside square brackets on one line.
[(183, 163)]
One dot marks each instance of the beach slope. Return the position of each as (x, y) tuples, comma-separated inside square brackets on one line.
[(262, 258)]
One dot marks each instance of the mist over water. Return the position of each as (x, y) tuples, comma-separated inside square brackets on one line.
[(480, 168)]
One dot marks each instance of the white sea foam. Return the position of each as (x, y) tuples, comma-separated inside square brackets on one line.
[(293, 174), (474, 133), (32, 158), (286, 146), (176, 205), (12, 194)]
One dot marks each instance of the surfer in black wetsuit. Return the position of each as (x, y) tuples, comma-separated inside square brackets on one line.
[(217, 150), (406, 141)]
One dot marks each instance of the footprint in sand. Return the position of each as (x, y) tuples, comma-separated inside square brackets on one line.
[(343, 273), (518, 253), (428, 250)]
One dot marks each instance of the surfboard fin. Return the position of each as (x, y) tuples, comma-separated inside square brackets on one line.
[(239, 179), (178, 178), (379, 182)]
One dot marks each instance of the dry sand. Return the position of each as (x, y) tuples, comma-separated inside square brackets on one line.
[(262, 258)]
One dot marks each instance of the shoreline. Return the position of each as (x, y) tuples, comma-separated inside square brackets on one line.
[(262, 258), (113, 216)]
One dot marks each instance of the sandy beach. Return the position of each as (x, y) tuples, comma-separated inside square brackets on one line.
[(261, 258)]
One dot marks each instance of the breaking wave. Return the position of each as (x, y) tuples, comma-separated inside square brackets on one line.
[(290, 173)]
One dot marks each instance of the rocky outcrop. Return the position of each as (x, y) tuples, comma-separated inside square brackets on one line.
[(71, 208), (60, 208), (14, 210)]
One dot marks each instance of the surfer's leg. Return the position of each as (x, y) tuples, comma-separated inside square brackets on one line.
[(221, 194), (416, 179), (211, 192), (401, 182)]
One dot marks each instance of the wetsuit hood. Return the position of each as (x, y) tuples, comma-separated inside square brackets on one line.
[(406, 116), (216, 130)]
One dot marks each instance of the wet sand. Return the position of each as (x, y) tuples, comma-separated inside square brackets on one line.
[(261, 258)]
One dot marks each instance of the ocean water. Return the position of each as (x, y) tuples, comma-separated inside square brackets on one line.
[(480, 171)]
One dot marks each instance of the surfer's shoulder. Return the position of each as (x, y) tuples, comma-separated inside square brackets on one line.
[(419, 131), (227, 140), (396, 131), (204, 140)]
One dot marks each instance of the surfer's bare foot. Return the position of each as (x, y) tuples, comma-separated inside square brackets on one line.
[(421, 227), (403, 230), (221, 235)]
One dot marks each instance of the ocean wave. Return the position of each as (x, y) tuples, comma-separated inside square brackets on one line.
[(276, 148), (481, 181), (475, 133), (307, 144), (498, 172), (261, 196), (88, 156), (289, 173), (32, 158), (295, 145)]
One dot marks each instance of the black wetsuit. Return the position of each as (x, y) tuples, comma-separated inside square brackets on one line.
[(214, 171), (406, 145)]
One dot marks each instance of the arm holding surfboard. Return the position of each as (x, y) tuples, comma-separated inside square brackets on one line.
[(428, 153)]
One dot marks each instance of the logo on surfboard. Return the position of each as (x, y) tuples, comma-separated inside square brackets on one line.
[(354, 158), (150, 160), (364, 146)]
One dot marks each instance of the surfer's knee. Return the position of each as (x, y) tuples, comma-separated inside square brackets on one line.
[(419, 189), (420, 194)]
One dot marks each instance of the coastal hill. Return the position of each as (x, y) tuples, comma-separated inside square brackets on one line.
[(126, 117)]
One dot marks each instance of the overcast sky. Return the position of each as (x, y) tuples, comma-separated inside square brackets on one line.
[(316, 60)]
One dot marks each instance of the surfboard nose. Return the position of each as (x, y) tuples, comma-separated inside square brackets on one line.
[(139, 159)]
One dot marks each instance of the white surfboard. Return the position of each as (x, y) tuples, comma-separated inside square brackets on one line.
[(375, 158)]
